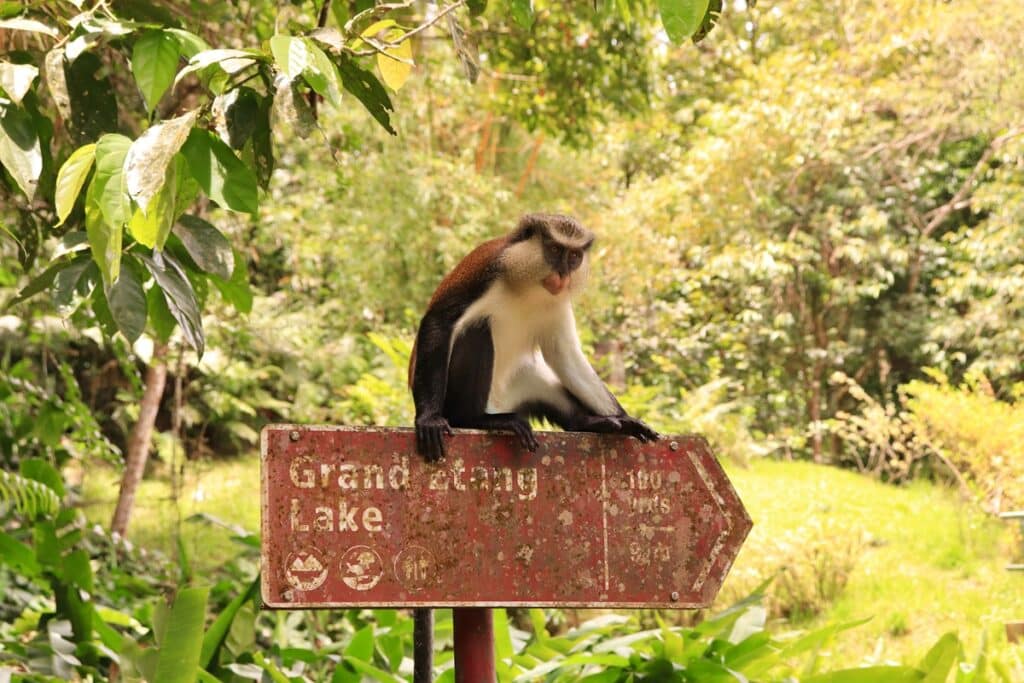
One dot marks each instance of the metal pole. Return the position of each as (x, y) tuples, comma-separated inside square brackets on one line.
[(474, 645), (422, 645)]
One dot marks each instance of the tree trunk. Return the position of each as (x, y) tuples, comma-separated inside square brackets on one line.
[(138, 442)]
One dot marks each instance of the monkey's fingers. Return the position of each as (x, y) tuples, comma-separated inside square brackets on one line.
[(639, 429), (526, 435)]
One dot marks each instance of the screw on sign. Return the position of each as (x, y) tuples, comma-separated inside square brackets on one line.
[(352, 517)]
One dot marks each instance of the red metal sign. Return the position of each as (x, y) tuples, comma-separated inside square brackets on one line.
[(352, 516)]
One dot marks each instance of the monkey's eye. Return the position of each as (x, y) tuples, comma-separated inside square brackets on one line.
[(575, 258)]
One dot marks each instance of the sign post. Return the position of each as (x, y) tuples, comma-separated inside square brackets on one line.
[(353, 517)]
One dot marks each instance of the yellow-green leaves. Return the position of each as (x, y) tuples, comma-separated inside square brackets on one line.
[(682, 18), (395, 63), (300, 58), (107, 206), (71, 178), (154, 64)]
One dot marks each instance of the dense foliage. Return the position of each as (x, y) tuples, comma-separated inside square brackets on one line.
[(810, 246)]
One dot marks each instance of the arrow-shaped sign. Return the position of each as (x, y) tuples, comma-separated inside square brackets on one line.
[(352, 516)]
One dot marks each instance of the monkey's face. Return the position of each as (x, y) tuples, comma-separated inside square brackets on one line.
[(550, 251)]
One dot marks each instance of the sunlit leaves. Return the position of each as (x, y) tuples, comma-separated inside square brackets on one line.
[(149, 156), (56, 81), (31, 25), (299, 57), (221, 174), (16, 79), (20, 151), (107, 206), (291, 107), (395, 65), (151, 224), (682, 18), (154, 64), (71, 178)]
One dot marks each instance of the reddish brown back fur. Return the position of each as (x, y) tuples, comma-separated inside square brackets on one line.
[(469, 272)]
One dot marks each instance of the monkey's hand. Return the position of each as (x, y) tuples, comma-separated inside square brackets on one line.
[(637, 428), (430, 431)]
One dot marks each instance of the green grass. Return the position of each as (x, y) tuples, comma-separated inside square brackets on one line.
[(916, 559)]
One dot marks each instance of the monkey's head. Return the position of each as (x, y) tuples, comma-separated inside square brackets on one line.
[(549, 250)]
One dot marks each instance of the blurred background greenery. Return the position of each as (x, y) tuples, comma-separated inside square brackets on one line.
[(810, 249)]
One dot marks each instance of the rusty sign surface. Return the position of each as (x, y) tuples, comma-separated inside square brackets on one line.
[(353, 516)]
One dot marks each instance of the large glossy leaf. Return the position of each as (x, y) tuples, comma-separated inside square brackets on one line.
[(183, 638), (368, 90), (179, 296), (682, 18), (127, 303), (322, 75), (71, 178), (154, 63), (20, 150), (16, 79), (206, 245), (149, 156), (152, 225), (80, 276), (220, 173), (159, 314), (290, 54), (941, 658), (110, 181)]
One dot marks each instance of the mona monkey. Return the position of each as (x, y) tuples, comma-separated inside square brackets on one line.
[(498, 343)]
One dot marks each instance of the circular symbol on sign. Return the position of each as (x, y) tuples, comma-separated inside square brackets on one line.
[(304, 570), (414, 568), (361, 568)]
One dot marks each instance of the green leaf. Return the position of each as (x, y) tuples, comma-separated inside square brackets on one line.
[(109, 181), (148, 157), (220, 173), (262, 143), (503, 649), (16, 79), (361, 644), (71, 178), (152, 225), (870, 674), (154, 64), (76, 277), (291, 55), (160, 316), (682, 18), (183, 639), (237, 114), (522, 12), (206, 245), (189, 44), (322, 75), (19, 556), (941, 658), (368, 90), (77, 571), (236, 291), (20, 151), (180, 297), (219, 629), (42, 471), (127, 303), (373, 672), (476, 7), (711, 18)]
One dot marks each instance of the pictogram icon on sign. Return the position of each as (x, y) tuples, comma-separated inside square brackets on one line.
[(305, 570), (414, 567), (361, 568)]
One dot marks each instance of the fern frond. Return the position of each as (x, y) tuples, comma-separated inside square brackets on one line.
[(29, 497)]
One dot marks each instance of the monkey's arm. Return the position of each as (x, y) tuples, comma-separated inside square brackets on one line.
[(563, 352), (429, 380)]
